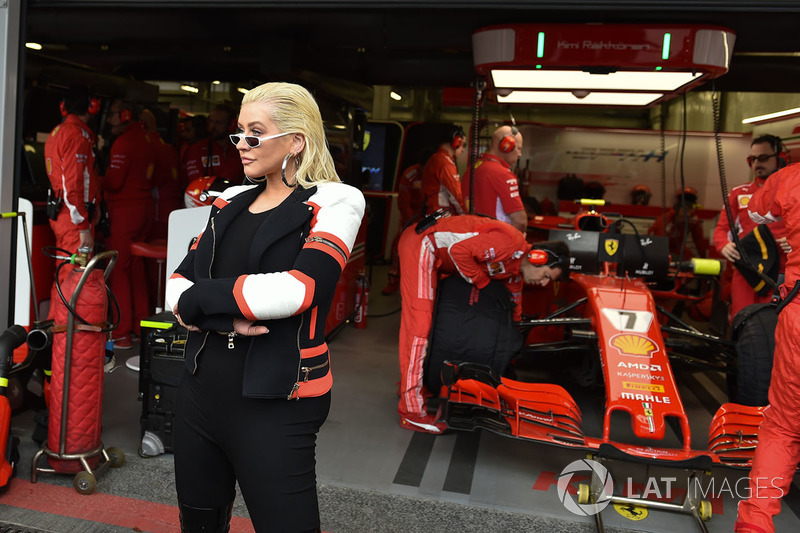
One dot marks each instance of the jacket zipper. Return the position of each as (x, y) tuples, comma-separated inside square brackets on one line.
[(296, 386), (213, 249), (197, 353), (332, 244), (309, 369)]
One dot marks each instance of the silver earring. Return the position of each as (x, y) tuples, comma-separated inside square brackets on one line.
[(283, 170)]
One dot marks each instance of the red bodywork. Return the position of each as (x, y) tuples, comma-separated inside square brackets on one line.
[(621, 315)]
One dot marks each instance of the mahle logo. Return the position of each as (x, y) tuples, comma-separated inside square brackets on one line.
[(578, 467)]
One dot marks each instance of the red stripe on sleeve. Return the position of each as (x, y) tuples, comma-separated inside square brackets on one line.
[(238, 295), (309, 284), (312, 326), (322, 247), (175, 275)]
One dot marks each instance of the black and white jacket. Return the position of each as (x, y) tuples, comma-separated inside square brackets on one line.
[(297, 256)]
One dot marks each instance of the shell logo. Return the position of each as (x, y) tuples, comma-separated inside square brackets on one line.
[(637, 345), (744, 200)]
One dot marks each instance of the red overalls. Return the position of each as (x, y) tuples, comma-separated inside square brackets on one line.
[(441, 184), (168, 183), (127, 189), (496, 188), (224, 162), (742, 294), (778, 451), (69, 160), (478, 249)]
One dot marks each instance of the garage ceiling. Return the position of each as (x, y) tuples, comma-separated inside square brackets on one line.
[(403, 43)]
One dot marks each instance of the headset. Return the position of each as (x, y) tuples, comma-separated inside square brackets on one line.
[(539, 257), (92, 108), (509, 142), (125, 115), (457, 140)]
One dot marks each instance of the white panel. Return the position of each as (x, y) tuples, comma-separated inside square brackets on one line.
[(493, 46), (22, 287), (713, 47), (184, 225)]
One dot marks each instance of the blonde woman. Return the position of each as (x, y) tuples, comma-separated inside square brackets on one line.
[(254, 292)]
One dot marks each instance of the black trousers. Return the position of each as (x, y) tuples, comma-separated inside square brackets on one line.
[(266, 445)]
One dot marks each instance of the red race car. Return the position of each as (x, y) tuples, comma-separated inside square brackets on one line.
[(609, 323)]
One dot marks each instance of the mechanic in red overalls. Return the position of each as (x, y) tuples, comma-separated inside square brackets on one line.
[(496, 187), (410, 202), (778, 450), (168, 186), (441, 183), (477, 248), (69, 161), (127, 191), (763, 159), (215, 155)]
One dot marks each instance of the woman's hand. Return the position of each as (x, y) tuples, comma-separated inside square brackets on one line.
[(248, 327), (178, 316)]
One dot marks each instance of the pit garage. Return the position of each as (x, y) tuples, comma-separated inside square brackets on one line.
[(387, 74)]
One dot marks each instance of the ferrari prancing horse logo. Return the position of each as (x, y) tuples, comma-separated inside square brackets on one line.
[(612, 245)]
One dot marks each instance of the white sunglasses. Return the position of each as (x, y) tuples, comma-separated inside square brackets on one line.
[(251, 140)]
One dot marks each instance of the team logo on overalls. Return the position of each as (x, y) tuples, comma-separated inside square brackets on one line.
[(496, 267), (744, 200)]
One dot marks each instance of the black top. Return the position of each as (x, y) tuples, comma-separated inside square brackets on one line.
[(230, 258)]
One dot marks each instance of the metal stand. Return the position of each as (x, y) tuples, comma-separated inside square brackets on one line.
[(692, 504), (85, 481)]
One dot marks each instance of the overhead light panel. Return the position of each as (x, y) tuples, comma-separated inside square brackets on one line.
[(596, 58), (578, 98), (394, 96), (190, 89), (33, 46), (772, 116), (243, 90), (568, 80)]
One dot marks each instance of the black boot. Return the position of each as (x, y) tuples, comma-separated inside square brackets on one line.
[(205, 519)]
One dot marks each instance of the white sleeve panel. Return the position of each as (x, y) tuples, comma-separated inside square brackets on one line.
[(175, 287), (274, 295), (765, 219), (340, 213)]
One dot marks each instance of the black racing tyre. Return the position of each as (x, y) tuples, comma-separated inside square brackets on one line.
[(754, 333)]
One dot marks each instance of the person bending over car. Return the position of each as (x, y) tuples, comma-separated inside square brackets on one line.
[(479, 249)]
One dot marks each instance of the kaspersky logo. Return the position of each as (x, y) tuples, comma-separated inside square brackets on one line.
[(631, 344)]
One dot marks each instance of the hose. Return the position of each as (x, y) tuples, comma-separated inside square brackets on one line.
[(723, 183), (480, 85), (69, 259)]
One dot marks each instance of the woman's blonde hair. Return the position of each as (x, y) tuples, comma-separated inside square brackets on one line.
[(294, 110)]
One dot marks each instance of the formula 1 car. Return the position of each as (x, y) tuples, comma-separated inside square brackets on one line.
[(609, 309)]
